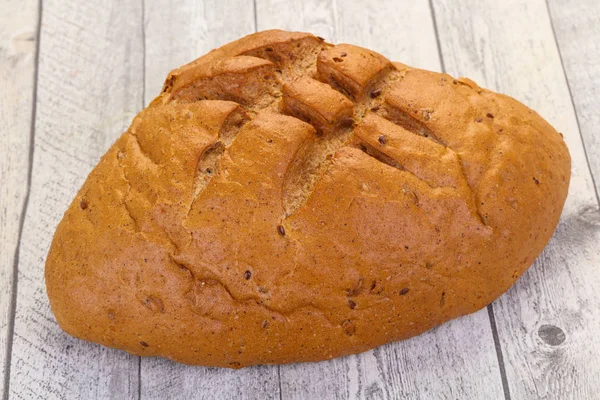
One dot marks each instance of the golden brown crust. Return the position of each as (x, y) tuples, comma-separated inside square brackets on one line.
[(284, 199)]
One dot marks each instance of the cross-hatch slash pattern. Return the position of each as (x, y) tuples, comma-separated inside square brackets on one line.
[(341, 92)]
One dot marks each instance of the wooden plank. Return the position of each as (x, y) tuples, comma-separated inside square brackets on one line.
[(89, 88), (18, 34), (402, 31), (549, 321), (439, 363), (370, 24), (163, 379), (177, 32), (575, 25), (315, 16)]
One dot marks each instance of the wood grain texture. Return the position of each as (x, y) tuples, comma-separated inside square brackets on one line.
[(549, 321), (456, 360), (89, 88), (315, 16), (576, 26), (177, 32), (18, 32), (164, 379), (453, 361), (402, 31), (380, 26)]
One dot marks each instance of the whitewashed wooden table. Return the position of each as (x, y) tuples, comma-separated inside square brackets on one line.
[(73, 74)]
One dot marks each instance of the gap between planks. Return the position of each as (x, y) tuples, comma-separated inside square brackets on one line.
[(562, 64), (143, 104), (490, 307), (15, 271), (535, 369)]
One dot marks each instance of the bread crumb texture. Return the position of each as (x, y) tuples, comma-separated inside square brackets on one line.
[(285, 199)]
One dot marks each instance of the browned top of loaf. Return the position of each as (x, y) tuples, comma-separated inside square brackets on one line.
[(284, 199)]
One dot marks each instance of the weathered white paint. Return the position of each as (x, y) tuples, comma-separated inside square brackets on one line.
[(163, 379), (315, 16), (509, 46), (455, 360), (577, 28), (179, 31), (435, 364), (90, 86), (402, 31), (18, 32)]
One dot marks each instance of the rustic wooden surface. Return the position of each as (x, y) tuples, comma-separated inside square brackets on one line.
[(68, 92), (549, 321), (89, 88)]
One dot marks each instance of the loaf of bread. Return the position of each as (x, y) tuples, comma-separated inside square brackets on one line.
[(284, 199)]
